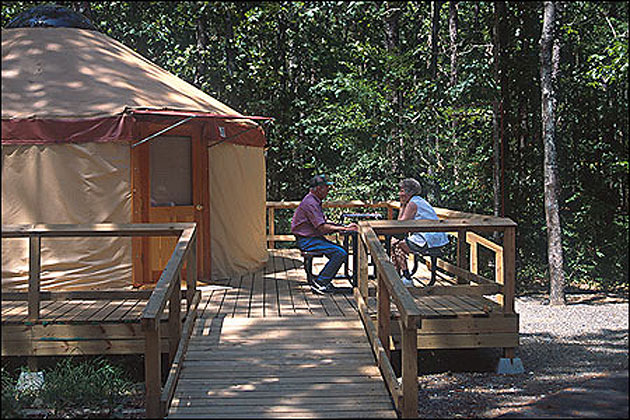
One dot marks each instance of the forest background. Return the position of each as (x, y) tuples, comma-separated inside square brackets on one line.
[(446, 92)]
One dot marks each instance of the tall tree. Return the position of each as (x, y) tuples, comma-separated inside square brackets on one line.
[(435, 29), (498, 107), (548, 71), (84, 8), (392, 40), (452, 31), (202, 46)]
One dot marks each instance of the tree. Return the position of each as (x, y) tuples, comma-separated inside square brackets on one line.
[(435, 29), (452, 30), (548, 70), (498, 107), (392, 41)]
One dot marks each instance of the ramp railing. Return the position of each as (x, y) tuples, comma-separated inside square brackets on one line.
[(390, 289)]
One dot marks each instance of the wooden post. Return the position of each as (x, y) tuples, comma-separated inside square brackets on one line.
[(174, 318), (383, 313), (140, 203), (152, 371), (498, 266), (461, 253), (34, 269), (409, 356), (474, 259), (362, 278), (390, 213), (272, 227), (509, 269), (191, 274)]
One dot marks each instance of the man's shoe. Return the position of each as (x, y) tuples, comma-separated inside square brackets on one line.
[(318, 288)]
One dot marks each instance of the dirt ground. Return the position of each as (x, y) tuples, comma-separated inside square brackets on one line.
[(575, 360)]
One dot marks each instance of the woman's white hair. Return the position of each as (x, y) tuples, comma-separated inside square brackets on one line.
[(410, 186)]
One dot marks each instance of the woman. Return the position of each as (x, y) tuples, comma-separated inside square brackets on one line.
[(414, 207)]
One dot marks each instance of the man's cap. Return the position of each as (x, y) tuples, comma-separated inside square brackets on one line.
[(318, 180)]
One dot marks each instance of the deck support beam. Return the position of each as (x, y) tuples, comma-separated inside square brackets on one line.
[(34, 298), (409, 356), (153, 373)]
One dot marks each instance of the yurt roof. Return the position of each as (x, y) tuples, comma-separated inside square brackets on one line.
[(69, 72), (64, 85)]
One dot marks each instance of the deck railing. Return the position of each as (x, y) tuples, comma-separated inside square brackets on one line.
[(389, 288), (166, 291)]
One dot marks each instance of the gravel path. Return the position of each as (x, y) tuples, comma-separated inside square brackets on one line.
[(560, 347)]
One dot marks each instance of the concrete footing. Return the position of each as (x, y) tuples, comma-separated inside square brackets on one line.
[(508, 366)]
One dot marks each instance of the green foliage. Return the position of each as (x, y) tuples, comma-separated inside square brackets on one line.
[(94, 383), (70, 383), (10, 405)]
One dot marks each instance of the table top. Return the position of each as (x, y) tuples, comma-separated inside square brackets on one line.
[(362, 215)]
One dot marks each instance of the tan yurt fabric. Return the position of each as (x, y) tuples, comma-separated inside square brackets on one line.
[(233, 223), (71, 100), (67, 183)]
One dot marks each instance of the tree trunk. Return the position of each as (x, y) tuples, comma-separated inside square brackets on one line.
[(84, 8), (392, 39), (229, 40), (140, 39), (496, 142), (496, 159), (202, 42), (498, 135), (552, 213), (452, 31), (435, 29)]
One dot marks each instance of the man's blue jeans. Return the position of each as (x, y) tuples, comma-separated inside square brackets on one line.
[(336, 255)]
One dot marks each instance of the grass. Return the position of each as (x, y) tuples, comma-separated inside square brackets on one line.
[(70, 384)]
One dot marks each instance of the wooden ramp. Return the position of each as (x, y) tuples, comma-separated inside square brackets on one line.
[(282, 367)]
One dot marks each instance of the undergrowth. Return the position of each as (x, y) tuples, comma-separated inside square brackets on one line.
[(69, 384)]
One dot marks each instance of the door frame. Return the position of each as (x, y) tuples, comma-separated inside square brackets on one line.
[(140, 194)]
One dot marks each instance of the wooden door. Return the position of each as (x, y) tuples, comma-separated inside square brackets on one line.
[(171, 193), (171, 185)]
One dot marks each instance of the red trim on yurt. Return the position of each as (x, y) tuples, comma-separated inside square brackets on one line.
[(120, 128), (169, 112), (55, 130)]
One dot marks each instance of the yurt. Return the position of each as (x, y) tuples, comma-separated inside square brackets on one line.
[(92, 132)]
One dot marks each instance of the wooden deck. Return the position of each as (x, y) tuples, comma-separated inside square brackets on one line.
[(278, 290), (265, 346), (77, 327), (307, 367)]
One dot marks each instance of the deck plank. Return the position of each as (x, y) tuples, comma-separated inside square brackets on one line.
[(271, 296), (257, 307), (122, 310), (243, 296), (285, 297), (296, 279)]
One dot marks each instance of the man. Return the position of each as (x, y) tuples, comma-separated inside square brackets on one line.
[(309, 226)]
